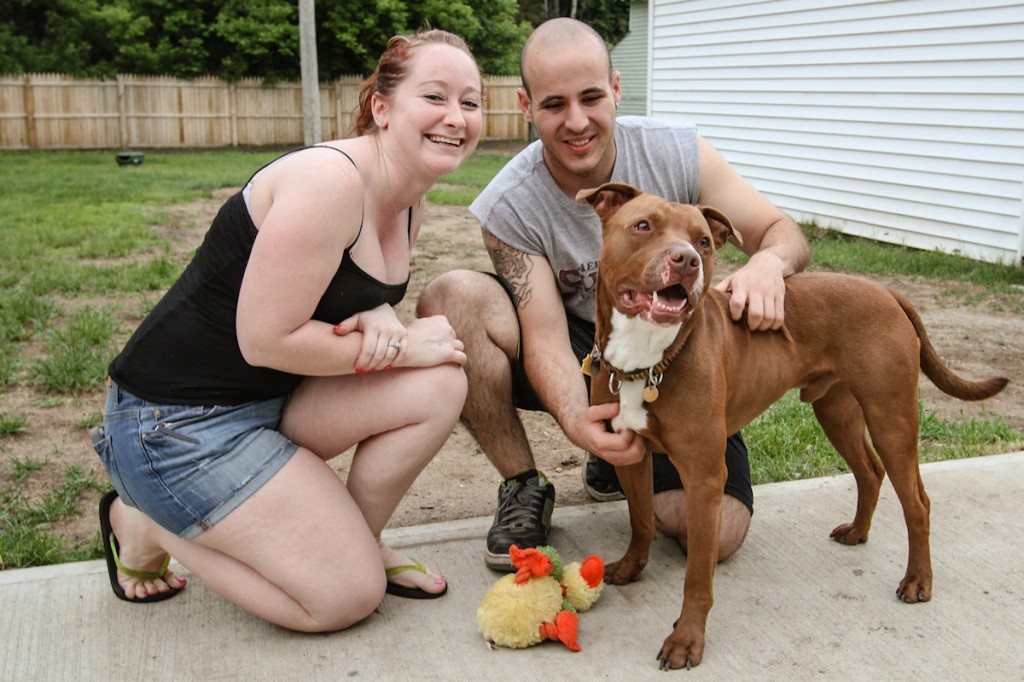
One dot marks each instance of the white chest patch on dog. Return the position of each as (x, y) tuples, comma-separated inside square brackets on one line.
[(634, 344)]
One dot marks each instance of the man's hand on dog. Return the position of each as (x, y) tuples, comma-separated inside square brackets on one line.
[(760, 289), (592, 434)]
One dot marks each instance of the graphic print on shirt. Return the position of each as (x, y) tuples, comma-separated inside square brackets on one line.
[(579, 282)]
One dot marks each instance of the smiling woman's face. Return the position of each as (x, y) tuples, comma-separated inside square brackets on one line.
[(435, 113)]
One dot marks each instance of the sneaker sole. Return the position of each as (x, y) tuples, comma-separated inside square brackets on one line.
[(594, 493), (499, 562)]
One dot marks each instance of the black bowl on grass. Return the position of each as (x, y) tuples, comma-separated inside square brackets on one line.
[(130, 158)]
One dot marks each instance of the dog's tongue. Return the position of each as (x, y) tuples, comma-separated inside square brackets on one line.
[(668, 305), (670, 299)]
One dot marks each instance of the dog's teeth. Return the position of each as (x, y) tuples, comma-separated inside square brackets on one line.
[(654, 298)]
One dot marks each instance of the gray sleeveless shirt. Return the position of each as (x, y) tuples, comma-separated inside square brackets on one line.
[(523, 207)]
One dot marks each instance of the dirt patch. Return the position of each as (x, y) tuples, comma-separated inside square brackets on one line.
[(977, 339)]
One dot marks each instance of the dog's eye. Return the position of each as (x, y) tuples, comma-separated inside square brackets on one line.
[(705, 242), (642, 226)]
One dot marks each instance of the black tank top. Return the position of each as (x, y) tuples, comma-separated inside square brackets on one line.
[(186, 350)]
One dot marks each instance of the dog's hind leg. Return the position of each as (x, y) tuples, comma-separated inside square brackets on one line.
[(894, 432), (842, 419)]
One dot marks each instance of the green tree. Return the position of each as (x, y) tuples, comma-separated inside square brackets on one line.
[(259, 38), (610, 18), (81, 37), (351, 34), (174, 41), (231, 39), (488, 26)]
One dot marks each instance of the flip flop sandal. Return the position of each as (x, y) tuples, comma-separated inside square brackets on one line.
[(110, 552), (410, 592)]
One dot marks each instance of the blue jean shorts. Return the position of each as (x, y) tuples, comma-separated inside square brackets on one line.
[(188, 466)]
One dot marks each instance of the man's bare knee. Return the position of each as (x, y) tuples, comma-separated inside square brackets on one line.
[(670, 519), (479, 311), (735, 523), (442, 294)]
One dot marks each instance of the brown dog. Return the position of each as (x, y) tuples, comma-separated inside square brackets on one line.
[(686, 375)]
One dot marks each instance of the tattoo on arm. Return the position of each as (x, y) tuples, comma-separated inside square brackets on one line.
[(511, 265)]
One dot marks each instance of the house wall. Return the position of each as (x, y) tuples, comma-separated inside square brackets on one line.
[(901, 121), (630, 57)]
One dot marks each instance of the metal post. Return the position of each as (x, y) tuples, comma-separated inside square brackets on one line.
[(309, 69)]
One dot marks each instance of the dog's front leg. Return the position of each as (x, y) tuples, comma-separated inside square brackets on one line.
[(684, 647), (637, 485)]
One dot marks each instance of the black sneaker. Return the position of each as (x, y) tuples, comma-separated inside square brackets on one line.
[(599, 479), (523, 518)]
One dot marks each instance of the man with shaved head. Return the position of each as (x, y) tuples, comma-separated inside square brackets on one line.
[(526, 328)]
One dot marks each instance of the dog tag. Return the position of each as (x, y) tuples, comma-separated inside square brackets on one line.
[(650, 394), (585, 367)]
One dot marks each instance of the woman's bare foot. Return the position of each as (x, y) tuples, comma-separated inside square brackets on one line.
[(431, 581), (130, 527)]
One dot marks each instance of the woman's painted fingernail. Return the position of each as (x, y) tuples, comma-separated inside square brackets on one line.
[(337, 327), (387, 367), (360, 370)]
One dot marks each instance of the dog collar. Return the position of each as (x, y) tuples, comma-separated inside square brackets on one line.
[(652, 376)]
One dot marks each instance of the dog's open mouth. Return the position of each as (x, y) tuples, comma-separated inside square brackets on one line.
[(670, 305)]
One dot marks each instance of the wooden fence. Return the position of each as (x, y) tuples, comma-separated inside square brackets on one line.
[(54, 111)]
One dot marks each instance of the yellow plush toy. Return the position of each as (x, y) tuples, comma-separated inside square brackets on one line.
[(541, 600)]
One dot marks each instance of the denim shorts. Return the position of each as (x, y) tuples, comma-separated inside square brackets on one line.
[(189, 466)]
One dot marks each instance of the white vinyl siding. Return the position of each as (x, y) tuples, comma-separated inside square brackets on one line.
[(901, 121), (629, 58)]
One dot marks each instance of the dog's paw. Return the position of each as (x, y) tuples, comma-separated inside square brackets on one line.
[(681, 650), (848, 534), (914, 590), (623, 571)]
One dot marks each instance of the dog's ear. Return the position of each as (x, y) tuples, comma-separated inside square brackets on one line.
[(721, 227), (608, 196)]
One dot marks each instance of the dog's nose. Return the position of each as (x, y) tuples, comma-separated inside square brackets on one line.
[(685, 258)]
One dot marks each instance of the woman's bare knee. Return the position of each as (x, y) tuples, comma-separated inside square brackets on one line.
[(437, 393), (354, 601), (341, 594)]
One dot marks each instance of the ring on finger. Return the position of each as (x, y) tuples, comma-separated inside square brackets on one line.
[(393, 343)]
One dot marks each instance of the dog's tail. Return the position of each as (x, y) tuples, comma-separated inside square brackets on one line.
[(937, 370)]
